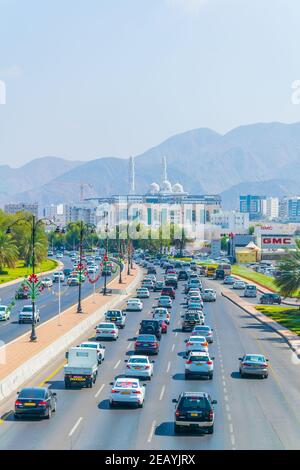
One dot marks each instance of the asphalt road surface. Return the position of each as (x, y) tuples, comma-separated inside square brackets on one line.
[(47, 302), (251, 413)]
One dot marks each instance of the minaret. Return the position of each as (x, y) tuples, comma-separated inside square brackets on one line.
[(131, 176), (164, 168)]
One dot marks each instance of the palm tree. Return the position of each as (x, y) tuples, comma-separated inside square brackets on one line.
[(8, 251), (288, 277)]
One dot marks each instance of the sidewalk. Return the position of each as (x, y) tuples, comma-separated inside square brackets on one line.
[(291, 338), (20, 350)]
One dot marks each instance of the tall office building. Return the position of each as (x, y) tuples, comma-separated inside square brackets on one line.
[(271, 208), (253, 205)]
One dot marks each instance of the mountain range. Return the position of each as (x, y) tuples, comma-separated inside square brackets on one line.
[(262, 158)]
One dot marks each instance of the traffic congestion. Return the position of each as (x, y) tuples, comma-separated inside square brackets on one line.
[(159, 350)]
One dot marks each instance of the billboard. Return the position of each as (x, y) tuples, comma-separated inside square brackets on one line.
[(275, 242)]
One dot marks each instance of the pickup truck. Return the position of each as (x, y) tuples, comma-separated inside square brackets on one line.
[(26, 314), (82, 367)]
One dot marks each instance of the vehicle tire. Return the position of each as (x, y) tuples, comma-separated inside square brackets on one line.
[(177, 429), (54, 409), (266, 376), (141, 405), (241, 373), (210, 430), (211, 376), (186, 376), (49, 414), (16, 416), (111, 404), (67, 385)]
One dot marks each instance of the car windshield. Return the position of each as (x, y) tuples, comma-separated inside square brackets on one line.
[(250, 287), (146, 338), (202, 328), (254, 358), (32, 393), (199, 358), (138, 360), (126, 384), (2, 308), (106, 325), (149, 323), (197, 339), (27, 309), (113, 314), (194, 403), (192, 316), (88, 345)]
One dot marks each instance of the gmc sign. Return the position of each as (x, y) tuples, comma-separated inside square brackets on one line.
[(277, 241)]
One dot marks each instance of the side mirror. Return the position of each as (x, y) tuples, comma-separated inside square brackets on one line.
[(152, 362), (212, 358), (267, 360), (185, 340), (125, 360), (111, 383), (54, 394), (144, 385), (174, 400), (67, 355), (214, 402), (240, 358)]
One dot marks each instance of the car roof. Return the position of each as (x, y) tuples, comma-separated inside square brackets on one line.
[(192, 394)]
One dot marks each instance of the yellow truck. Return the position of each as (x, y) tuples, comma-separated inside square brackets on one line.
[(210, 271)]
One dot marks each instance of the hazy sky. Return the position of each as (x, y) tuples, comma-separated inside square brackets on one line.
[(94, 78)]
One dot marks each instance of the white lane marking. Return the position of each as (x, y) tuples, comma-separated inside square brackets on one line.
[(151, 431), (75, 427), (100, 390), (232, 438), (169, 365), (117, 364), (162, 392), (231, 428), (227, 408), (176, 334), (129, 345), (137, 332), (226, 398), (225, 390), (224, 383), (229, 417), (173, 347)]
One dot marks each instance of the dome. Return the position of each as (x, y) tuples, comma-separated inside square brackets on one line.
[(154, 188), (166, 186), (178, 188)]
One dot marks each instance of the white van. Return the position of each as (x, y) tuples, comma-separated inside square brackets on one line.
[(250, 290)]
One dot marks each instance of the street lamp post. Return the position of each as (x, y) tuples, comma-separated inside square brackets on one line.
[(34, 226), (79, 307), (105, 260)]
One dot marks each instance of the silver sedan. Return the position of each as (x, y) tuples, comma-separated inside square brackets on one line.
[(254, 364)]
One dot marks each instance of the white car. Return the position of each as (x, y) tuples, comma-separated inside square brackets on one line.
[(106, 330), (59, 255), (26, 314), (95, 345), (127, 390), (204, 330), (134, 305), (139, 366), (59, 275), (161, 313), (199, 363), (142, 293), (240, 285), (4, 312), (47, 282), (196, 343), (209, 295)]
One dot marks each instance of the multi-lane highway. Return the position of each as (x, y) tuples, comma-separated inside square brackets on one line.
[(251, 413), (47, 302)]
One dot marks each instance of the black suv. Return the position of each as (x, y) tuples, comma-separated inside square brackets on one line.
[(152, 327), (270, 299), (151, 270), (183, 276), (189, 320), (194, 411)]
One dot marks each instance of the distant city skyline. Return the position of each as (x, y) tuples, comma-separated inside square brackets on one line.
[(84, 81)]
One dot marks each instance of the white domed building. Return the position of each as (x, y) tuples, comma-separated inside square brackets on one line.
[(154, 188)]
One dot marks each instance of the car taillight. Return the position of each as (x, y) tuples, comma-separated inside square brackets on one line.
[(128, 367), (114, 391), (189, 343), (18, 403), (177, 413), (147, 367), (188, 362), (209, 334), (211, 415), (137, 343), (209, 363), (137, 392), (42, 403), (113, 331)]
